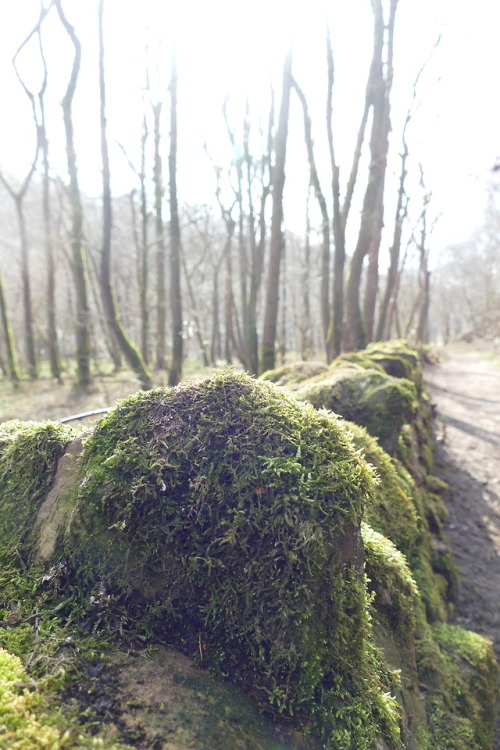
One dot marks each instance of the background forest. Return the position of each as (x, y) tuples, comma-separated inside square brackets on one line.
[(231, 184)]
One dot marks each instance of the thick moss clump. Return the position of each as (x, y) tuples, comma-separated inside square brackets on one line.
[(29, 452), (391, 510), (294, 373), (369, 397), (458, 670), (232, 511)]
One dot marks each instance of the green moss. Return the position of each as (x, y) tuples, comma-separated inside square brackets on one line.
[(294, 373), (29, 452), (391, 510), (367, 397), (355, 358), (29, 722), (471, 679), (390, 580), (232, 510)]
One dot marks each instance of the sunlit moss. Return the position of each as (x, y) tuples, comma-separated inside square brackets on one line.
[(232, 510)]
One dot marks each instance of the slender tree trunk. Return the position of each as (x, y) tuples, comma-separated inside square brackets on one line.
[(130, 351), (95, 292), (12, 363), (79, 259), (381, 117), (161, 294), (53, 344), (305, 325), (257, 244), (27, 304), (368, 244), (175, 372), (325, 220), (337, 332), (52, 338), (196, 315), (268, 349), (215, 342), (144, 271)]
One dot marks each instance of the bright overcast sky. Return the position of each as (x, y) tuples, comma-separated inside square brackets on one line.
[(234, 46)]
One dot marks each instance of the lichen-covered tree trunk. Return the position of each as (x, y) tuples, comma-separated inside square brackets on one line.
[(128, 348), (175, 370), (78, 254), (268, 347)]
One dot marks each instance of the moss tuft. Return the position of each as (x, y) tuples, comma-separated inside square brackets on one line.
[(367, 397), (390, 580)]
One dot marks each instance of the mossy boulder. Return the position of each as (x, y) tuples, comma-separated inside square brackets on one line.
[(226, 515)]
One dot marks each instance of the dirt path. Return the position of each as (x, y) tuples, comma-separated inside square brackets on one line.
[(466, 390)]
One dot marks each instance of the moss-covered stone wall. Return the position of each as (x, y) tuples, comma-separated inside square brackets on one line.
[(250, 527), (381, 391)]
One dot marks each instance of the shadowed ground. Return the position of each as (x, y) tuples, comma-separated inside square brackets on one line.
[(466, 390)]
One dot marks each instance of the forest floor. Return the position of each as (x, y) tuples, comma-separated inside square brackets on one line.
[(465, 387)]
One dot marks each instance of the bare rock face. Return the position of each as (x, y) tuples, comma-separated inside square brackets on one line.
[(54, 513)]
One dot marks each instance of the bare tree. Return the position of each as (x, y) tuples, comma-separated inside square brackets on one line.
[(340, 209), (78, 255), (422, 328), (161, 293), (18, 195), (325, 219), (370, 233), (175, 370), (268, 348), (43, 144), (130, 351), (142, 244)]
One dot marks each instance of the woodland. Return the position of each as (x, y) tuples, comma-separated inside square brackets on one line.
[(250, 275), (248, 546)]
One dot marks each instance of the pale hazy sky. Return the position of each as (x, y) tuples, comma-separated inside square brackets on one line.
[(231, 45)]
